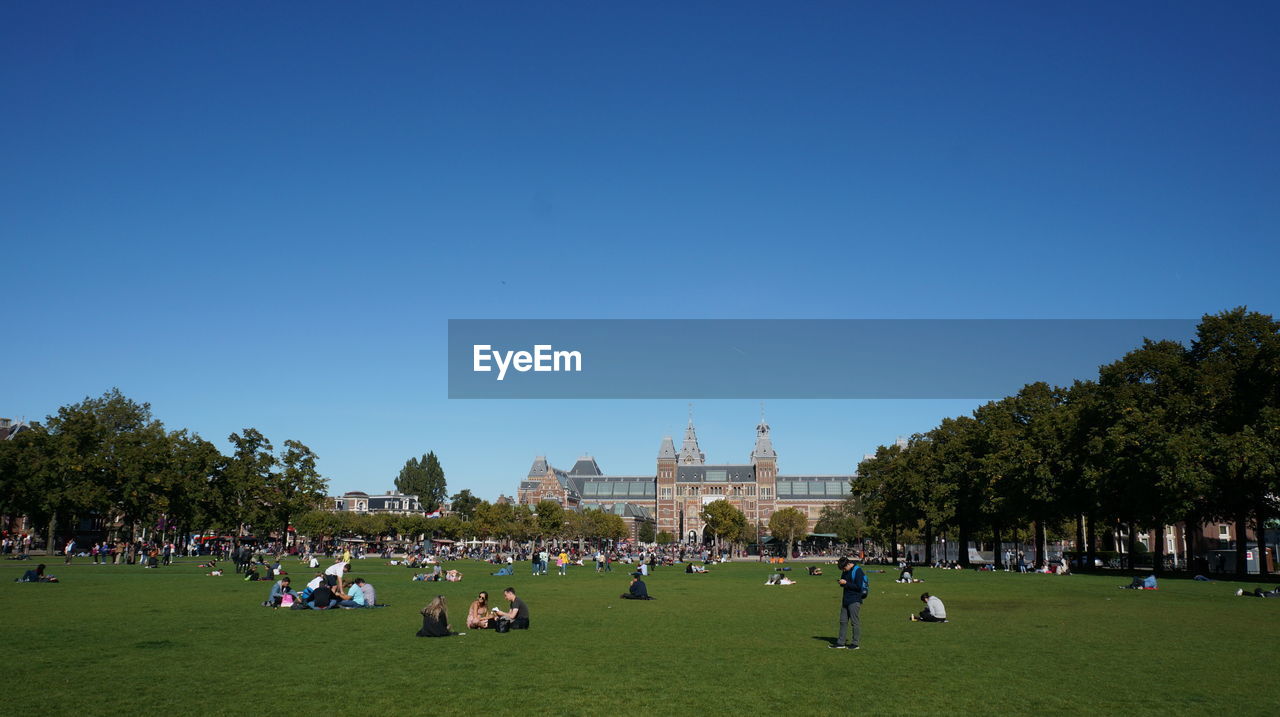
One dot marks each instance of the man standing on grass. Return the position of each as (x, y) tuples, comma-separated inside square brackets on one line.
[(854, 584)]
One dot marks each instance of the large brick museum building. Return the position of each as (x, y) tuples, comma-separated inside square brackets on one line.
[(673, 496)]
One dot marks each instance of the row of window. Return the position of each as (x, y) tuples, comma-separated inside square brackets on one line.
[(619, 490), (817, 488)]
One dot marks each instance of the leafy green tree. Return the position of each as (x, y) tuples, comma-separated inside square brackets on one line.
[(844, 519), (424, 478), (464, 504), (665, 538), (296, 488), (788, 525), (550, 518), (723, 520), (1236, 355), (192, 466), (237, 491), (645, 532)]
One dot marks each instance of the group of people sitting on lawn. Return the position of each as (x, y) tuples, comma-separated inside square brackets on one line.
[(325, 591), (437, 575), (480, 616)]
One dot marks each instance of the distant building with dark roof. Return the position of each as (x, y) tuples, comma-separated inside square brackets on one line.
[(674, 495), (10, 428), (357, 501)]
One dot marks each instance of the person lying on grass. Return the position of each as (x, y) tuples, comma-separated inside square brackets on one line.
[(934, 610), (1258, 592), (638, 590), (1140, 583), (36, 576)]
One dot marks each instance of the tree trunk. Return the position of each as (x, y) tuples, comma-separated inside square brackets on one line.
[(1157, 553), (962, 544), (1040, 542), (928, 543), (1090, 539), (49, 544), (893, 551), (1081, 548), (997, 555), (1260, 513), (1131, 545), (1242, 544)]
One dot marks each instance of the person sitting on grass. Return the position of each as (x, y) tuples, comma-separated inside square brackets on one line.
[(815, 570), (351, 597), (435, 620), (517, 618), (638, 590), (278, 591), (453, 576), (370, 595), (1258, 592), (934, 610), (36, 576), (321, 598), (905, 575), (478, 613)]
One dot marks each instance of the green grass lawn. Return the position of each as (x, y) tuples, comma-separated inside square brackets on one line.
[(123, 640)]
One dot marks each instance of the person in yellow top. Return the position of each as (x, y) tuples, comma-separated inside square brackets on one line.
[(563, 561), (346, 554)]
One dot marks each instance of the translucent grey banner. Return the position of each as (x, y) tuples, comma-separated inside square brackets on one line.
[(785, 358)]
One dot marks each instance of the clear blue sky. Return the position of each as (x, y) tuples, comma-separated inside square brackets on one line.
[(262, 214)]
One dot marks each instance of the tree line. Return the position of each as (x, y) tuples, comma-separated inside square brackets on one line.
[(1167, 434), (471, 518), (109, 458)]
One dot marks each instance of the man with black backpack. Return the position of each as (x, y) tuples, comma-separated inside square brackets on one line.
[(855, 585)]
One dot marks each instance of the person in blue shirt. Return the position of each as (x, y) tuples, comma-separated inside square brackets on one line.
[(355, 598), (853, 585), (278, 591)]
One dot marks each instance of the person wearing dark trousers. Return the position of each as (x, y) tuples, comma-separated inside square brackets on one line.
[(1259, 592), (638, 590), (934, 610), (517, 618), (853, 584)]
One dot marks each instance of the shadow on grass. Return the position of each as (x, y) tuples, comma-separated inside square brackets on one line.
[(828, 640)]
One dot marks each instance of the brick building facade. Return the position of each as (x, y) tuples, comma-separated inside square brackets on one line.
[(683, 482)]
